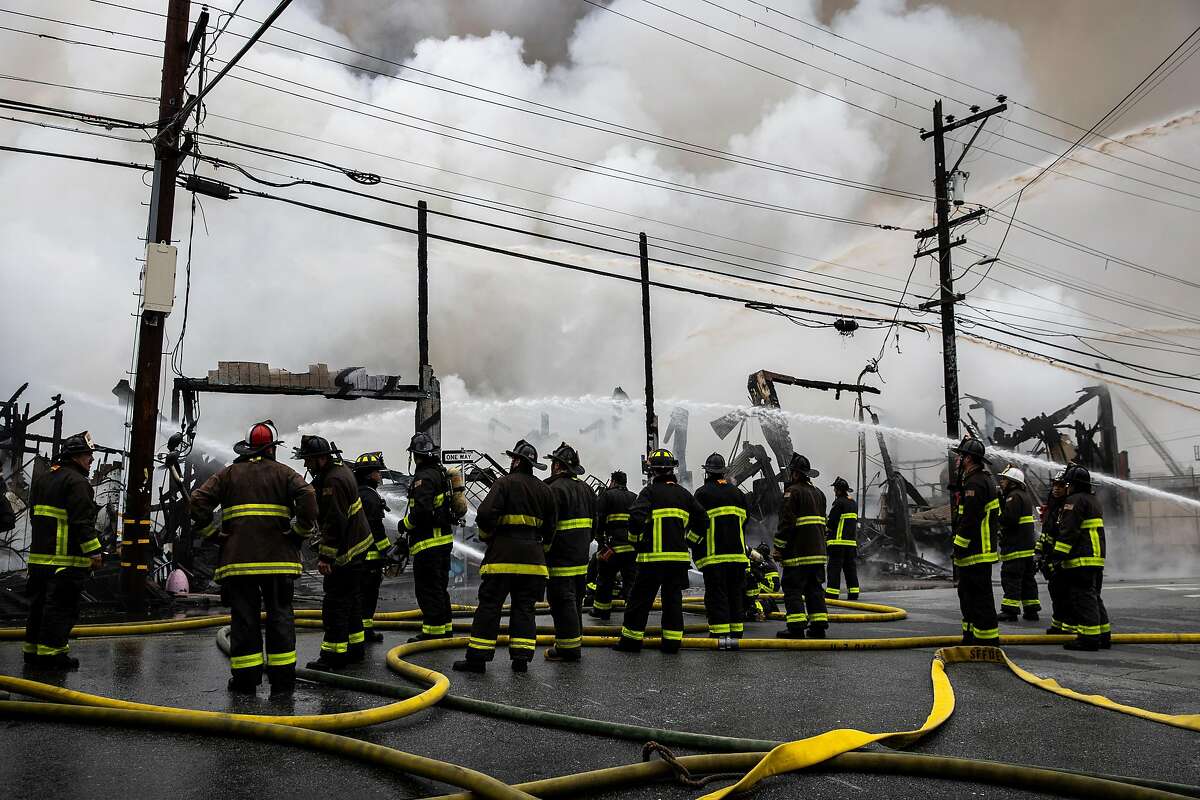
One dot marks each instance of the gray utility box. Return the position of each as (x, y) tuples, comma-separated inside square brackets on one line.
[(158, 278)]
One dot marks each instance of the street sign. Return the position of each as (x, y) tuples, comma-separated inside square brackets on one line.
[(460, 456)]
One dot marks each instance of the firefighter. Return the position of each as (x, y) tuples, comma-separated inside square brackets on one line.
[(658, 522), (260, 555), (8, 518), (800, 548), (368, 471), (615, 554), (517, 520), (1056, 584), (1079, 550), (762, 576), (720, 552), (841, 542), (428, 529), (1018, 533), (344, 542), (63, 550), (974, 543), (575, 506)]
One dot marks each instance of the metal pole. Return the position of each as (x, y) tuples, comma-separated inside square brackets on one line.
[(135, 538), (422, 283), (648, 349)]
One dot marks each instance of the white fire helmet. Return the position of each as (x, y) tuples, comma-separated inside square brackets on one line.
[(1013, 474)]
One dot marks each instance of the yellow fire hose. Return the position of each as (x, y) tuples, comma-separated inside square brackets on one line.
[(945, 767), (829, 747), (438, 683), (237, 725)]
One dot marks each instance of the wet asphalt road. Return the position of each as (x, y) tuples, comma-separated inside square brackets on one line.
[(754, 694)]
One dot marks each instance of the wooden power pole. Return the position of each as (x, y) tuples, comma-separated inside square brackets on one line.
[(136, 551)]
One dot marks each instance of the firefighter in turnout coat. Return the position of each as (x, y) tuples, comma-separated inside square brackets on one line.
[(842, 542), (800, 550), (615, 554), (658, 523), (345, 538), (63, 550), (720, 552), (517, 520), (428, 527), (975, 544), (567, 558), (1079, 551), (368, 471), (1018, 536), (260, 555)]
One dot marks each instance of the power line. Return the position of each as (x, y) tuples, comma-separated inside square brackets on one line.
[(898, 99), (610, 210), (868, 110), (569, 162), (965, 84), (614, 128)]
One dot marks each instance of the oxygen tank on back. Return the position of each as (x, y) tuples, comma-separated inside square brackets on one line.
[(458, 497)]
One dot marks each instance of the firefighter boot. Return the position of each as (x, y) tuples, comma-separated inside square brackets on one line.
[(571, 655), (1106, 641), (1006, 615), (520, 665), (241, 686), (790, 633), (1085, 644), (1031, 615), (816, 633), (469, 665), (627, 645), (60, 662)]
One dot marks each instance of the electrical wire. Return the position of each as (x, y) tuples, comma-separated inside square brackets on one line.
[(758, 23), (868, 110), (964, 84)]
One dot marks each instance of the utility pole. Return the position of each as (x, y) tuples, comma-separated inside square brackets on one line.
[(135, 538), (947, 297), (648, 350), (429, 410)]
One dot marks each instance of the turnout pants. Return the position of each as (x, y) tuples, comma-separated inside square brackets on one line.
[(672, 578), (723, 595), (525, 591), (565, 595), (54, 608), (341, 611), (978, 605), (1060, 602), (623, 564), (372, 577), (1089, 617), (804, 598), (843, 560), (247, 596), (431, 576), (1019, 580)]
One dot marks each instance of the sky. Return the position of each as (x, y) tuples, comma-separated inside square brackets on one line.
[(787, 94)]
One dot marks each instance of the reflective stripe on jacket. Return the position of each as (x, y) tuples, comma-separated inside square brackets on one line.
[(258, 497), (801, 534), (345, 534), (659, 520), (842, 523), (612, 518), (517, 520), (978, 521), (575, 504), (724, 540), (1018, 529), (62, 518), (427, 522), (1080, 541)]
